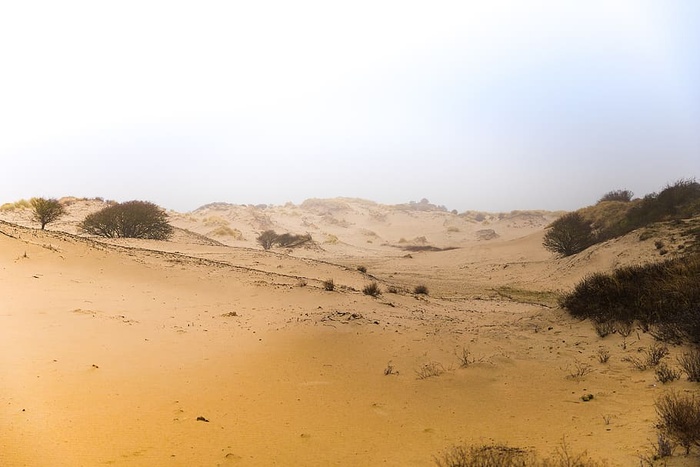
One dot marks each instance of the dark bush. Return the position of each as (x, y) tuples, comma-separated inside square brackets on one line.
[(46, 210), (132, 219), (372, 289), (664, 296), (329, 285), (421, 290), (617, 195), (568, 235), (362, 269), (677, 201)]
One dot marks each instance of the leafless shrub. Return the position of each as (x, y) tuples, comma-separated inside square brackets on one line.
[(638, 363), (485, 456), (499, 455), (624, 328), (679, 418), (690, 362), (663, 448), (655, 353), (466, 358), (389, 370), (652, 357), (604, 328), (579, 369), (329, 285), (428, 370), (666, 374), (603, 355)]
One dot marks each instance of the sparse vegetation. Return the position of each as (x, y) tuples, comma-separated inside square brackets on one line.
[(466, 358), (329, 285), (579, 369), (21, 204), (568, 235), (46, 211), (362, 269), (652, 357), (501, 455), (132, 219), (372, 289), (429, 370), (679, 418)]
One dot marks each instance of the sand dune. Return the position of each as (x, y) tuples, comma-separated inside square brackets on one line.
[(207, 350)]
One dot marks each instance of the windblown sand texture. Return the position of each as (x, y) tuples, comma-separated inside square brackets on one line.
[(207, 350)]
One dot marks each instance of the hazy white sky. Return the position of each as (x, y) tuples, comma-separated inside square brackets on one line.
[(493, 105)]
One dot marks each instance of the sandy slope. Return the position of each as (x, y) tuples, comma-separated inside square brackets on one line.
[(109, 352)]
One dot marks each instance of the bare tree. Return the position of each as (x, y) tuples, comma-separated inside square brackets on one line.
[(267, 239)]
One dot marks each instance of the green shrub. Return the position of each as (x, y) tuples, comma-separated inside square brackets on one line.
[(132, 219), (46, 210), (568, 235)]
